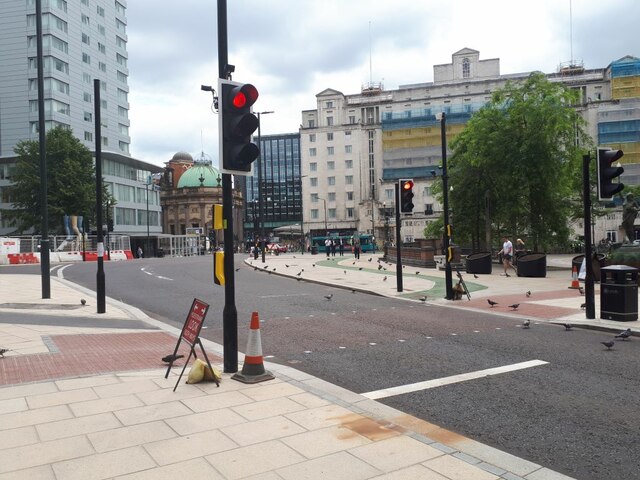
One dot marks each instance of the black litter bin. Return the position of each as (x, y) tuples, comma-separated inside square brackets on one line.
[(619, 293), (598, 264), (532, 265), (479, 263), (160, 253), (314, 250)]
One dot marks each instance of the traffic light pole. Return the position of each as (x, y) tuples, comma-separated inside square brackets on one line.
[(229, 313), (398, 242), (589, 293)]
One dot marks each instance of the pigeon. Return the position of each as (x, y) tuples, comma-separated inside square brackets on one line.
[(345, 272), (171, 358), (274, 269), (370, 259), (417, 273), (491, 302), (526, 324), (528, 293), (423, 299), (353, 263), (608, 344), (294, 256), (313, 265), (567, 326), (581, 290), (379, 267), (583, 306), (237, 269), (514, 306), (255, 268), (384, 279), (329, 297), (353, 291), (83, 301), (475, 276), (286, 265), (624, 334), (265, 267), (360, 268), (299, 273), (3, 351)]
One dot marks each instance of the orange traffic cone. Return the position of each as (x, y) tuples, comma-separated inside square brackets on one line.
[(253, 368), (575, 284)]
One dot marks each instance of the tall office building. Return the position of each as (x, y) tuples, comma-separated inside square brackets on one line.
[(83, 40)]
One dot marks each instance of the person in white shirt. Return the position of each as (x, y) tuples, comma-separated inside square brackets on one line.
[(507, 255)]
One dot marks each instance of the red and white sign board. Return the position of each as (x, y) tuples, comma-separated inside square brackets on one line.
[(195, 319)]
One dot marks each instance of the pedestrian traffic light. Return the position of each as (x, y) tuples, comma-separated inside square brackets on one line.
[(406, 196), (606, 173), (237, 123)]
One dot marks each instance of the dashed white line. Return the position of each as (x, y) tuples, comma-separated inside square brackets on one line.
[(439, 382)]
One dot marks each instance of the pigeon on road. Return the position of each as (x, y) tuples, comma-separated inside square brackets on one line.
[(491, 302), (171, 358), (567, 326), (329, 297), (608, 344), (624, 334), (526, 324), (514, 306)]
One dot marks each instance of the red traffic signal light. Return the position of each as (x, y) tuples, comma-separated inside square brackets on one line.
[(237, 124), (406, 195), (606, 173)]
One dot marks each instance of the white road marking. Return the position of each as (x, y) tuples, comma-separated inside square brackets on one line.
[(439, 382), (284, 295)]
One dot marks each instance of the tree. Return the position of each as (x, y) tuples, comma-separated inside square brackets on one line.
[(521, 153), (70, 182)]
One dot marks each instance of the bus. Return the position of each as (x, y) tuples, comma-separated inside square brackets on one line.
[(366, 241)]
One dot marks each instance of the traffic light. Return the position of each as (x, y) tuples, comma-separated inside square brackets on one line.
[(606, 173), (406, 196), (237, 123)]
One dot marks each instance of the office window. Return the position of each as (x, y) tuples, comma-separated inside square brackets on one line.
[(313, 167), (123, 146), (347, 134), (312, 152), (349, 212), (122, 60), (313, 181), (86, 58), (329, 150), (347, 149), (331, 196), (88, 117), (331, 212), (102, 66), (350, 196), (101, 30), (102, 48), (348, 164), (85, 2), (121, 26), (312, 123), (123, 95), (85, 19), (331, 165), (88, 136), (314, 214), (314, 198), (331, 181), (122, 77), (312, 137), (123, 112), (330, 121), (103, 104), (120, 8), (388, 193), (86, 78), (105, 142), (123, 129), (466, 68), (330, 136), (348, 180), (329, 104), (100, 10), (352, 119), (85, 39), (87, 97), (121, 42)]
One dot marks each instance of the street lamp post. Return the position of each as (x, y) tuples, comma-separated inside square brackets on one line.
[(445, 193), (326, 228), (147, 189), (260, 206)]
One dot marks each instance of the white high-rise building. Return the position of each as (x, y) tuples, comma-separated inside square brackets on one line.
[(83, 40)]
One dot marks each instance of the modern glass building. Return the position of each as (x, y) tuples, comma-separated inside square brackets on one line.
[(281, 184)]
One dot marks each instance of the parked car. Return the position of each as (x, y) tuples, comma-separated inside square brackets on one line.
[(276, 247)]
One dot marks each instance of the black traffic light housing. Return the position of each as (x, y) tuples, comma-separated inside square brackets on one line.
[(406, 195), (606, 173), (237, 124)]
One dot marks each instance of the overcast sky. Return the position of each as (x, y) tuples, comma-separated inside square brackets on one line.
[(293, 49)]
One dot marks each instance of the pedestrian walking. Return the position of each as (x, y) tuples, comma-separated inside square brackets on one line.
[(356, 248), (140, 254), (507, 255), (327, 246), (334, 245), (341, 247)]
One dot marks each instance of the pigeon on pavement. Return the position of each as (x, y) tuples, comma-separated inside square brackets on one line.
[(3, 351), (370, 259), (624, 334), (608, 344), (583, 306), (491, 302), (379, 267), (475, 276), (83, 301), (514, 306), (384, 279), (528, 293), (171, 358)]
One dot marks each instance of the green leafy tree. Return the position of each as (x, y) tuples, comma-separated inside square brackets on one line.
[(71, 184), (521, 154)]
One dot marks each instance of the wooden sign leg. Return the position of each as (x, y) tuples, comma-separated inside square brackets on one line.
[(184, 368)]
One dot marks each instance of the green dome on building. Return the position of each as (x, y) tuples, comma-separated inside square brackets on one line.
[(201, 174)]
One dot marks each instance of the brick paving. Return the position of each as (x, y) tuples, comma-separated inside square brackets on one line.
[(92, 354)]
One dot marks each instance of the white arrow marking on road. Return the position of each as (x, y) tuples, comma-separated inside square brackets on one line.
[(439, 382)]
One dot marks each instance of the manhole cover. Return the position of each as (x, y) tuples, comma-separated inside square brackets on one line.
[(40, 306)]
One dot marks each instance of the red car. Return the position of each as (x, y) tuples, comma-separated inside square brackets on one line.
[(276, 247)]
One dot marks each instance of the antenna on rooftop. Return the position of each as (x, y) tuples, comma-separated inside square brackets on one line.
[(370, 56)]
